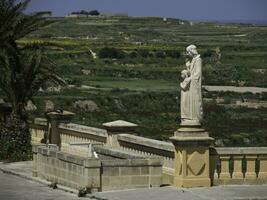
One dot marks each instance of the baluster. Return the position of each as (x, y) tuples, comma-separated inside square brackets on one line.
[(237, 173), (225, 173), (263, 167), (172, 165), (165, 161), (213, 167), (251, 170)]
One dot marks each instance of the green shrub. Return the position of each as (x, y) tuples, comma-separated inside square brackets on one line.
[(15, 141), (173, 53), (108, 52)]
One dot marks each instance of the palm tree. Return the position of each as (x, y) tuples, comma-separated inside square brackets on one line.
[(23, 74), (14, 24), (23, 70)]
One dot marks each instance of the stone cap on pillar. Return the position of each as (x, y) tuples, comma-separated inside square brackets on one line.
[(191, 136), (120, 126), (61, 116), (192, 141)]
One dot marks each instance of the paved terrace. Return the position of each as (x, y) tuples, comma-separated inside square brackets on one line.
[(23, 186)]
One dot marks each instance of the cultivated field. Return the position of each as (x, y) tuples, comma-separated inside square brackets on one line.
[(129, 68)]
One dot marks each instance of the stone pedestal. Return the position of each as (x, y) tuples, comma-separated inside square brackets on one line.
[(118, 127), (54, 118), (192, 159)]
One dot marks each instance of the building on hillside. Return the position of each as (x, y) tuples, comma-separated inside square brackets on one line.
[(114, 14), (72, 15)]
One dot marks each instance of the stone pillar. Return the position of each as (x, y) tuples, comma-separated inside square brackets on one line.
[(118, 127), (192, 157), (54, 118)]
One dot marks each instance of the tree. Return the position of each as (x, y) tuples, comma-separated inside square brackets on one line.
[(110, 52), (14, 24), (22, 75), (94, 12), (23, 70)]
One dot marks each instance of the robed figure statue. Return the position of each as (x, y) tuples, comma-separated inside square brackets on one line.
[(191, 95)]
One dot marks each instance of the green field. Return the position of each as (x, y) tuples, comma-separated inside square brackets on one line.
[(136, 74)]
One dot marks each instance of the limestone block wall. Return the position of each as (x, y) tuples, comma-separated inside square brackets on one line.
[(120, 171), (129, 170), (66, 169), (136, 173)]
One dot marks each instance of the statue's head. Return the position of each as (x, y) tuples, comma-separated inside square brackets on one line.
[(191, 50)]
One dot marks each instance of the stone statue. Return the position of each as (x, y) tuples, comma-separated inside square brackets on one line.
[(191, 95)]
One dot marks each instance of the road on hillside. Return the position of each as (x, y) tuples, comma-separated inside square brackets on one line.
[(234, 89)]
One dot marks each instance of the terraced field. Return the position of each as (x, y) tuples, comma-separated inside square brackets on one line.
[(136, 72)]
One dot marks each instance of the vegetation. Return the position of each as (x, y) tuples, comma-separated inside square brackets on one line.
[(23, 70), (84, 12), (136, 72)]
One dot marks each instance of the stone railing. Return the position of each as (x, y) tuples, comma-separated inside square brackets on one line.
[(74, 133), (150, 147), (247, 165), (242, 165), (69, 132)]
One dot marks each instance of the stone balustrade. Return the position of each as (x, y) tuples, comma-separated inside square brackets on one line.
[(241, 165), (246, 165), (74, 133), (69, 133), (150, 147)]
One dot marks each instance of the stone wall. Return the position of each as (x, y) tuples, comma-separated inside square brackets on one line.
[(66, 169), (227, 165), (113, 170)]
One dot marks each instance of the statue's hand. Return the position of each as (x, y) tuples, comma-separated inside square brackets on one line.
[(187, 64)]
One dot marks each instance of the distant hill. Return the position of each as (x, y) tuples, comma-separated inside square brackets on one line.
[(129, 68)]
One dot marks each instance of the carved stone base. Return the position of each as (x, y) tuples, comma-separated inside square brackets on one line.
[(192, 182), (192, 157)]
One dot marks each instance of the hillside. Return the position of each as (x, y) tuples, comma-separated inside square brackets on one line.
[(129, 68)]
